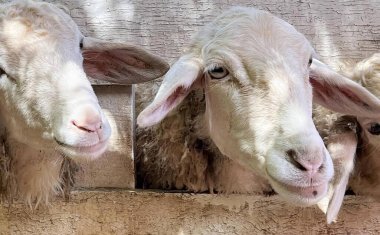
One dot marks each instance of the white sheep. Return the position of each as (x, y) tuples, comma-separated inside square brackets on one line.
[(353, 143), (46, 101), (253, 131), (366, 176)]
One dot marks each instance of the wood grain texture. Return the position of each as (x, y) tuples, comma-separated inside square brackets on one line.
[(115, 168), (128, 212), (343, 29)]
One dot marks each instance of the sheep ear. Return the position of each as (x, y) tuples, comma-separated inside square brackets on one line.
[(342, 149), (120, 62), (177, 84), (341, 94)]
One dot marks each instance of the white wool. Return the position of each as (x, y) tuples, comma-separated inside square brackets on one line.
[(354, 150), (366, 175), (47, 104), (176, 153), (254, 121), (36, 38)]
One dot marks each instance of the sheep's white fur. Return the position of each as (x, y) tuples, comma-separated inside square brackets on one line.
[(351, 146), (340, 136), (178, 154), (366, 175), (251, 117), (47, 105)]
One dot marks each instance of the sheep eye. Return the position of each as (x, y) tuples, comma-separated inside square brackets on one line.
[(81, 44), (218, 72), (2, 71), (310, 61), (374, 129)]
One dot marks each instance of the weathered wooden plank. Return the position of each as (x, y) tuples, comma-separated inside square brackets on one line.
[(339, 29), (127, 212), (116, 167)]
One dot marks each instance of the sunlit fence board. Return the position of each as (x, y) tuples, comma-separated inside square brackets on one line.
[(116, 167), (123, 212)]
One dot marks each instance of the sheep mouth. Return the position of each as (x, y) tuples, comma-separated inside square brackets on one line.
[(307, 192), (84, 150), (301, 195)]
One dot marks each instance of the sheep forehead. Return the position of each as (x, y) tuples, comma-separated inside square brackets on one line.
[(256, 37), (27, 21), (32, 32)]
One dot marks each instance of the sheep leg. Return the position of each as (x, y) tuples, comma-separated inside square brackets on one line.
[(342, 148)]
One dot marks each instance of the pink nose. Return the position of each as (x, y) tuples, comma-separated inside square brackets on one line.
[(88, 119), (310, 165)]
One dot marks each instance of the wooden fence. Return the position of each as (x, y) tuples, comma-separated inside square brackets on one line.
[(339, 30)]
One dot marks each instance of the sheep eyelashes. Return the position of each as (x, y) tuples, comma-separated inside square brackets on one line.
[(374, 129)]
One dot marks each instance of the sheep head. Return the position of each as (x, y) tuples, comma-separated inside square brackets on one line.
[(367, 73), (259, 76), (46, 100), (350, 136)]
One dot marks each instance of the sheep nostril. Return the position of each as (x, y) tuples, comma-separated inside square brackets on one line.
[(83, 128), (298, 165), (87, 118), (87, 126), (292, 155), (321, 168), (304, 163)]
